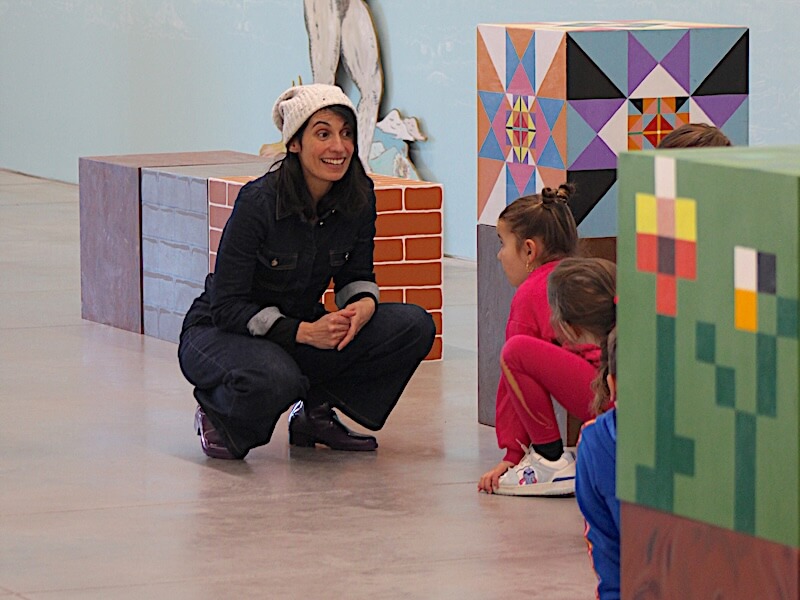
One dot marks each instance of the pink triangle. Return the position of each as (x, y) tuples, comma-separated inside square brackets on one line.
[(720, 108), (521, 174), (597, 155), (520, 83)]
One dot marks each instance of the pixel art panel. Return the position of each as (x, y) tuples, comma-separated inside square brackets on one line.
[(560, 101), (708, 327)]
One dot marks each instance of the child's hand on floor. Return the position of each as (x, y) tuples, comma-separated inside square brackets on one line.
[(490, 480)]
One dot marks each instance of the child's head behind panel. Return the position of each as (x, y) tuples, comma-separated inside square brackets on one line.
[(535, 230), (694, 135), (581, 293)]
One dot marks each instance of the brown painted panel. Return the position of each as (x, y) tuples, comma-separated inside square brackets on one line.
[(389, 199), (408, 274), (424, 248), (426, 298), (397, 224), (669, 557), (424, 198), (436, 350), (388, 250)]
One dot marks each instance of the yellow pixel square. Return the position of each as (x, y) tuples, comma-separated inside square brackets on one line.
[(686, 219), (646, 214)]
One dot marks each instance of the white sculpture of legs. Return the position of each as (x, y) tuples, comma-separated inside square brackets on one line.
[(344, 29)]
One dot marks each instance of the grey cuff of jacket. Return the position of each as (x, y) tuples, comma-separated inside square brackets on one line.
[(261, 322), (357, 287)]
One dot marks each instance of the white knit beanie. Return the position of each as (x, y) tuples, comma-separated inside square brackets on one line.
[(294, 106)]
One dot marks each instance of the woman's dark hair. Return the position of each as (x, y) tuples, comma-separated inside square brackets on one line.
[(694, 135), (545, 216), (351, 193)]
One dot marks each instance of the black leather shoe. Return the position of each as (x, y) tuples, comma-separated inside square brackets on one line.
[(321, 425), (211, 440)]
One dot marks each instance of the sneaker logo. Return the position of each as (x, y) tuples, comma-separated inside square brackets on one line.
[(528, 477)]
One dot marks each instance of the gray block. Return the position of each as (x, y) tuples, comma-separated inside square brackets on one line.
[(494, 301)]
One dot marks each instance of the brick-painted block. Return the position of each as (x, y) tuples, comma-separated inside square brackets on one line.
[(423, 198), (424, 248), (408, 241), (416, 223), (393, 295), (405, 274), (436, 349), (437, 320), (427, 298), (388, 250), (389, 199)]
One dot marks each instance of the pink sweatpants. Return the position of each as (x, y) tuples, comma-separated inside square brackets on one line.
[(533, 370)]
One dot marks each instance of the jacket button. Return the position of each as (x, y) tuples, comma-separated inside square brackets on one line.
[(274, 262)]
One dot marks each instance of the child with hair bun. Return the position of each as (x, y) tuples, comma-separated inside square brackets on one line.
[(537, 233)]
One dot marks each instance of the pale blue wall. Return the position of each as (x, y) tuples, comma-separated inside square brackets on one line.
[(96, 77)]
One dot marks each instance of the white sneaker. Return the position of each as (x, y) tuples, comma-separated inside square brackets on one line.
[(537, 476)]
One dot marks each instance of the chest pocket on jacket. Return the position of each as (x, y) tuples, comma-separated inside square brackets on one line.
[(278, 270), (339, 257)]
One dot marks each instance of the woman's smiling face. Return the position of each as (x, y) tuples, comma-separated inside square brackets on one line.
[(325, 150)]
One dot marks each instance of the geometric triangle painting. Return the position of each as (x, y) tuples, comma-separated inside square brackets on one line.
[(560, 101)]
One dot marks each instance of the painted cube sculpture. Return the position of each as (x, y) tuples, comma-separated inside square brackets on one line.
[(708, 364), (560, 101)]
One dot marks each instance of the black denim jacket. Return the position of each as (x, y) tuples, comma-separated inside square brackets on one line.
[(273, 265)]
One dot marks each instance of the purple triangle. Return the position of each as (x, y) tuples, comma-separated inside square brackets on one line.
[(597, 155), (597, 112), (640, 63), (720, 108), (676, 62)]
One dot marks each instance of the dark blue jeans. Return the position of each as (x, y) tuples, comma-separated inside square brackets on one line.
[(245, 383)]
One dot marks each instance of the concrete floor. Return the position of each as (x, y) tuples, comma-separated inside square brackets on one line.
[(105, 493)]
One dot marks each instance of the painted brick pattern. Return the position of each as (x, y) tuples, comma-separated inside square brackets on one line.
[(174, 248), (408, 242)]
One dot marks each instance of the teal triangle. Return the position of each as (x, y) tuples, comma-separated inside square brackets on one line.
[(491, 148), (608, 50), (579, 135), (602, 219), (659, 42), (551, 109), (550, 156), (491, 102), (708, 48), (736, 127)]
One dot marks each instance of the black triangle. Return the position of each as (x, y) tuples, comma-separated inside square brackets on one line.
[(680, 101), (585, 80), (730, 76), (638, 103), (590, 187)]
